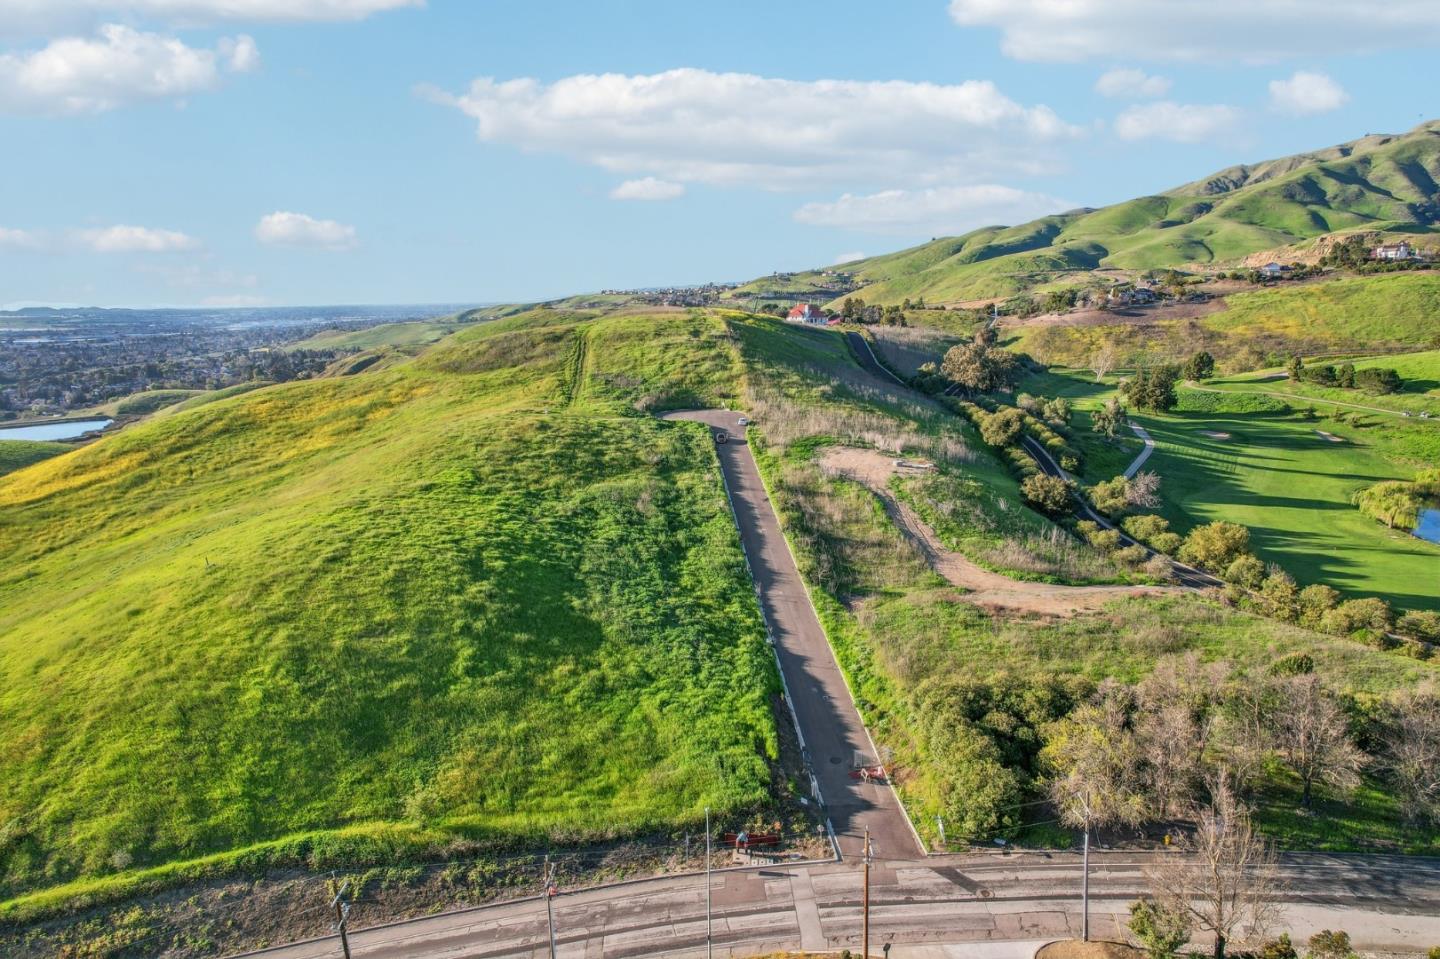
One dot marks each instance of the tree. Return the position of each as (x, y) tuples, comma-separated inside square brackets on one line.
[(1056, 412), (1245, 570), (1215, 545), (1173, 726), (1108, 418), (1410, 757), (1143, 490), (1228, 886), (1296, 367), (1092, 763), (979, 368), (1110, 497), (1103, 360), (1312, 736), (1161, 930), (1314, 602), (1152, 389), (1002, 428), (1201, 366), (1048, 494)]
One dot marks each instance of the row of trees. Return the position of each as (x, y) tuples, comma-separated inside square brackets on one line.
[(1194, 741), (1345, 376)]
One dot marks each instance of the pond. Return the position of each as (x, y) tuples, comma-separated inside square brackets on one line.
[(1429, 527), (53, 431)]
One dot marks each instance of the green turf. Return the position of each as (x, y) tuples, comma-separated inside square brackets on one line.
[(409, 334), (411, 596), (18, 454)]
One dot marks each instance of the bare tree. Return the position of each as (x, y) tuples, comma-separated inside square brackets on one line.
[(1103, 360), (1173, 727), (1411, 755), (1143, 490), (1313, 737), (1242, 737), (1093, 761), (1226, 881)]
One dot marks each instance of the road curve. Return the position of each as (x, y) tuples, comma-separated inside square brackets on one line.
[(834, 737), (1139, 461), (869, 361), (1387, 904)]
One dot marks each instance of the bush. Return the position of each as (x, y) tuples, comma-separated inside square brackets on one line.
[(1158, 567), (1293, 664), (1246, 571), (1281, 948), (1002, 428), (1280, 592), (1048, 494), (1314, 602), (1370, 613), (1420, 624), (1161, 930), (1215, 545), (1110, 497), (1131, 555), (1330, 945)]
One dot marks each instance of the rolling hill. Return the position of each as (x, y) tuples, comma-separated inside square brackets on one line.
[(1380, 183)]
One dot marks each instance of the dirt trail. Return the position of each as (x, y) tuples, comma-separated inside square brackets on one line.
[(873, 469)]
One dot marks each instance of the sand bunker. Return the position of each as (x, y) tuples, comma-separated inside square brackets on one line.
[(1215, 434), (1331, 436)]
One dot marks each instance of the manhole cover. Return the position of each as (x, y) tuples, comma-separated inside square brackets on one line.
[(985, 894), (835, 760)]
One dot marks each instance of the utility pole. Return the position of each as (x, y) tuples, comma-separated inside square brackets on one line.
[(1085, 888), (709, 943), (865, 923), (342, 914), (550, 891)]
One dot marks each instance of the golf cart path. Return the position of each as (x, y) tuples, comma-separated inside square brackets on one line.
[(873, 470), (1139, 461), (833, 736)]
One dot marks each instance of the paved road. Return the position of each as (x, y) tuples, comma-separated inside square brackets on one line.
[(866, 356), (834, 737), (1384, 903), (1139, 461)]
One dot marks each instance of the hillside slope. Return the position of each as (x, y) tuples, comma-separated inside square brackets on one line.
[(1387, 183), (469, 592)]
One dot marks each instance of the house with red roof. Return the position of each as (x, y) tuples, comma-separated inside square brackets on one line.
[(807, 313)]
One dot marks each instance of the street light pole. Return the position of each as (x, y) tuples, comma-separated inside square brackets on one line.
[(1085, 888), (709, 943), (550, 891), (865, 923)]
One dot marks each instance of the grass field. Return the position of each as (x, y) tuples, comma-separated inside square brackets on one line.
[(409, 335), (1358, 313), (18, 454), (401, 600)]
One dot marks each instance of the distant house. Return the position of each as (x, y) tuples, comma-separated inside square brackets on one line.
[(807, 313), (1394, 251), (1273, 269)]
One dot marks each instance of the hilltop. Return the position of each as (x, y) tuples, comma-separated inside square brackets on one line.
[(1377, 183)]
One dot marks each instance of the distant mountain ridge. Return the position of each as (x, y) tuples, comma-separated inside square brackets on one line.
[(1386, 183)]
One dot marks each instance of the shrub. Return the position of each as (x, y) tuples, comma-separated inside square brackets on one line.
[(1057, 411), (1110, 497), (1048, 494), (1314, 602), (1246, 571), (1131, 555), (1158, 567), (1215, 545), (1281, 948), (1002, 428), (1330, 945), (1420, 624), (1293, 664), (1370, 613), (1160, 929)]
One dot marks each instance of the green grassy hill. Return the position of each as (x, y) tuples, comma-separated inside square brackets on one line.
[(1385, 183), (17, 454), (465, 596)]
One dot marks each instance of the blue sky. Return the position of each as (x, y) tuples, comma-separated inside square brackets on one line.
[(367, 151)]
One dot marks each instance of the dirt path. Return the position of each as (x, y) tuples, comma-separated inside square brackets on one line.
[(1311, 400), (983, 587)]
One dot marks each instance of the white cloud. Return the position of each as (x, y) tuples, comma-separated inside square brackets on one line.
[(848, 258), (120, 65), (936, 211), (283, 228), (1307, 93), (240, 53), (647, 188), (691, 125), (13, 239), (135, 239), (1180, 122), (1202, 30), (1132, 84), (35, 17)]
